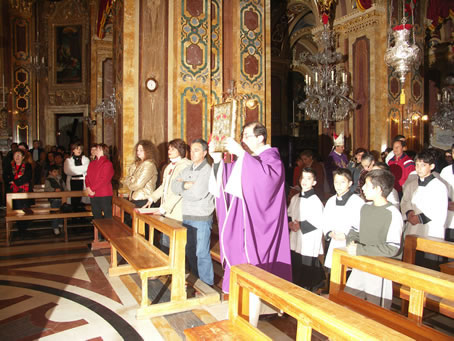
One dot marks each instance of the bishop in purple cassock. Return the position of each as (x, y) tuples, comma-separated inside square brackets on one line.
[(251, 206)]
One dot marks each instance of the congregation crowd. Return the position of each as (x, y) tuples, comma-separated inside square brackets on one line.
[(366, 204)]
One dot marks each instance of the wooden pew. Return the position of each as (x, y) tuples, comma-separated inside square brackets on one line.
[(117, 227), (310, 310), (418, 279), (39, 213), (434, 246), (148, 261)]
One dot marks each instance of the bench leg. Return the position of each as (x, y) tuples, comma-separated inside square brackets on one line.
[(303, 332), (144, 302), (113, 257), (8, 232), (65, 228)]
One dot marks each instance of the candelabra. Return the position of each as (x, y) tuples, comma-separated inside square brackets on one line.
[(403, 55), (327, 95), (444, 117), (108, 106)]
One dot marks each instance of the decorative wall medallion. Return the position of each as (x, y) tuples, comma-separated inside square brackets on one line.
[(251, 44), (394, 87), (416, 87), (22, 89), (21, 38), (195, 36)]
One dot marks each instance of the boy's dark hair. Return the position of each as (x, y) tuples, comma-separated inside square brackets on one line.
[(382, 178), (343, 172), (308, 170), (382, 165), (426, 156), (54, 167)]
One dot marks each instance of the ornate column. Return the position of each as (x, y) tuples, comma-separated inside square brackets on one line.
[(365, 35)]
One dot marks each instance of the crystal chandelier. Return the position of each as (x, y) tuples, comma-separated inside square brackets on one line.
[(444, 117), (403, 55), (108, 106), (327, 94)]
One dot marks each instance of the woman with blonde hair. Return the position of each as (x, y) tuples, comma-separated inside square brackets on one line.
[(142, 174)]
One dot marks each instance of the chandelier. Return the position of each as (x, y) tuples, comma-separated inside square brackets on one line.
[(327, 94), (403, 55), (444, 117), (108, 106)]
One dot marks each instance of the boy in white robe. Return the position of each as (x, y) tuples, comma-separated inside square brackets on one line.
[(447, 174), (341, 213), (306, 215), (425, 206), (379, 234)]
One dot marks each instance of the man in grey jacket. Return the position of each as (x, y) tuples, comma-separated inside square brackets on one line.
[(198, 207)]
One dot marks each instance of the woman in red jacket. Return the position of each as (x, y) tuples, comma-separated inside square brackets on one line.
[(98, 183)]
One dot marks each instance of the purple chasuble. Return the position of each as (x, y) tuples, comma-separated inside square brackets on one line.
[(334, 162), (254, 229)]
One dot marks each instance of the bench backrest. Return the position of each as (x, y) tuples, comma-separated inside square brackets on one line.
[(41, 195), (419, 280), (431, 245), (309, 309), (171, 228), (120, 206)]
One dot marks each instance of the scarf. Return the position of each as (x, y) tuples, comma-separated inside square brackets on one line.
[(18, 171), (77, 160)]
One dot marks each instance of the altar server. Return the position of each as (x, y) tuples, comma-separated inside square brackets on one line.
[(306, 216), (341, 213)]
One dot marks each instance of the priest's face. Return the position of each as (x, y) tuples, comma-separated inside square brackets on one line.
[(339, 149), (250, 142)]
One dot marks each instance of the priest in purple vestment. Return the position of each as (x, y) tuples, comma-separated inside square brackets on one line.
[(336, 159), (251, 206)]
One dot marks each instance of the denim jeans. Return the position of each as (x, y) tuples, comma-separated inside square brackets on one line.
[(198, 249), (56, 203)]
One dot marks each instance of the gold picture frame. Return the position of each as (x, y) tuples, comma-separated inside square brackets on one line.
[(224, 123)]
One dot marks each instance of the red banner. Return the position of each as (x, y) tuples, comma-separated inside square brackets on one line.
[(363, 4), (105, 7), (439, 10)]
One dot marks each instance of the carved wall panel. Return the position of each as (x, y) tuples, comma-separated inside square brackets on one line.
[(361, 92)]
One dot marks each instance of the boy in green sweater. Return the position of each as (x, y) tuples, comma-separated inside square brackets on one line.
[(379, 234)]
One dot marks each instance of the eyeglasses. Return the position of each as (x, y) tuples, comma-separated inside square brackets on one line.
[(246, 136)]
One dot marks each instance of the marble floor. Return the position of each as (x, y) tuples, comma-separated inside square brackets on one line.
[(52, 290)]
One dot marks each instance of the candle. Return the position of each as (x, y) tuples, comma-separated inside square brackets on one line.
[(309, 80), (316, 77), (332, 75), (306, 78)]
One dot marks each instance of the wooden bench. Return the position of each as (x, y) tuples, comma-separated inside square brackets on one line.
[(434, 246), (310, 310), (148, 261), (418, 279), (116, 226), (41, 213)]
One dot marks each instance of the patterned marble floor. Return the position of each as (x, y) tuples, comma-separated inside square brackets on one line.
[(52, 290)]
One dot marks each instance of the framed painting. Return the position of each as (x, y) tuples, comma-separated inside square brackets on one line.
[(224, 123), (68, 54)]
